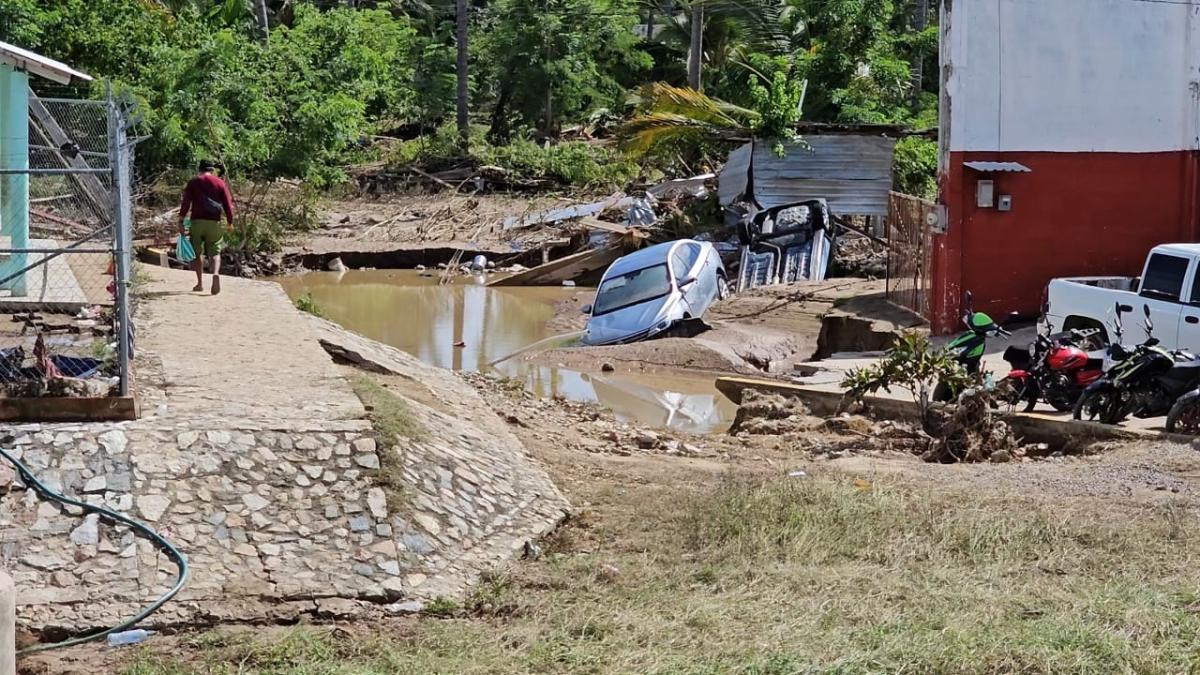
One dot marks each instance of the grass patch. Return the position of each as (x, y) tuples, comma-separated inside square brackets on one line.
[(799, 576), (443, 607), (306, 303), (395, 423)]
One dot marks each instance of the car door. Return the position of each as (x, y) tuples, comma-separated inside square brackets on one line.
[(705, 291), (1189, 319), (682, 270), (1162, 291)]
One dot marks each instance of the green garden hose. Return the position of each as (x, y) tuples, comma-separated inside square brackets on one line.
[(165, 546)]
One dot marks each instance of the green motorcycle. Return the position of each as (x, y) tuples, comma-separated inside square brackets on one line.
[(968, 347)]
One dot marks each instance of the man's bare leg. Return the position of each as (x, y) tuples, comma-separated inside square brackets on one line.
[(198, 265), (216, 272)]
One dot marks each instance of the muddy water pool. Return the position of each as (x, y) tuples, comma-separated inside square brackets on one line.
[(468, 326)]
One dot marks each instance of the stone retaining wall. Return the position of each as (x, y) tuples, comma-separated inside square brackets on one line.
[(278, 520)]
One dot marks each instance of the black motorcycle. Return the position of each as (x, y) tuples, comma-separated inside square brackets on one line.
[(1144, 381)]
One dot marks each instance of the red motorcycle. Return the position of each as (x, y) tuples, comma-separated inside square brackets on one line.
[(1054, 368)]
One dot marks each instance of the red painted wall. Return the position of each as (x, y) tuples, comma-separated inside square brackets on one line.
[(1075, 214)]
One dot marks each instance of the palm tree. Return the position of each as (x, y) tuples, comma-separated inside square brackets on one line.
[(461, 32), (695, 43), (715, 32)]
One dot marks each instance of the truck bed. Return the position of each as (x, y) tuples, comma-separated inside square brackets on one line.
[(1127, 284), (1087, 302)]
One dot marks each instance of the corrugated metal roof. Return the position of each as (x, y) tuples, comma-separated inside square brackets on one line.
[(852, 173), (23, 59), (998, 167)]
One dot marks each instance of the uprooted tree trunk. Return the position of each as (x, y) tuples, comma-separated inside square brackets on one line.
[(969, 432)]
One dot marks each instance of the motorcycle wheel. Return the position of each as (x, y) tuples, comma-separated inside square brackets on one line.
[(1098, 405), (1184, 417), (1060, 401)]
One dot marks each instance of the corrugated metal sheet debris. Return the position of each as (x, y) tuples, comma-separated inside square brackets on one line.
[(998, 167), (732, 182), (852, 173)]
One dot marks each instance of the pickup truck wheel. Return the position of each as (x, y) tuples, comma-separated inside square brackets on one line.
[(1184, 417)]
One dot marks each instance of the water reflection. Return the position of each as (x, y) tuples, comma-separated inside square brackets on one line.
[(428, 320)]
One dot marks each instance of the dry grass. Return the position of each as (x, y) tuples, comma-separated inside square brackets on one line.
[(789, 576), (395, 423)]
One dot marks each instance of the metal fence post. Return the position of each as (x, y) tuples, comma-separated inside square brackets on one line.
[(122, 234)]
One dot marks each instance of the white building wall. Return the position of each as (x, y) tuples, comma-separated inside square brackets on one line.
[(1071, 75)]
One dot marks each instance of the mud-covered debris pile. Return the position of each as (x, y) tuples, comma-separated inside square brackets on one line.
[(858, 256), (626, 441), (971, 432), (762, 414), (968, 432)]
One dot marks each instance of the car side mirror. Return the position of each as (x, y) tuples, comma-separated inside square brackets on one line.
[(586, 309)]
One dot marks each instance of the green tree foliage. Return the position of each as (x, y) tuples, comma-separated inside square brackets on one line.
[(332, 75), (913, 364), (550, 60)]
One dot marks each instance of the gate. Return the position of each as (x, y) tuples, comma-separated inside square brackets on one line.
[(908, 262)]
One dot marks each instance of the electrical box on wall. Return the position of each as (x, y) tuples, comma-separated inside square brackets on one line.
[(985, 191), (1004, 203)]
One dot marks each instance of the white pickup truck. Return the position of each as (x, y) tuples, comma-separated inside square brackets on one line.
[(1169, 286)]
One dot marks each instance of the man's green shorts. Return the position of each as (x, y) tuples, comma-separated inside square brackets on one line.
[(207, 236)]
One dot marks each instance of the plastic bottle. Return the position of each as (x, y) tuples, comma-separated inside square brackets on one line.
[(129, 637)]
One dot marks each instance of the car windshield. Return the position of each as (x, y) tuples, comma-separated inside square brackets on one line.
[(630, 289)]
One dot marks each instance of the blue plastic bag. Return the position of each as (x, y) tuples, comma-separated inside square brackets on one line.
[(183, 249)]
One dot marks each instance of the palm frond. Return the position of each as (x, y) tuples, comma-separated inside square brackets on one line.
[(659, 97), (677, 114)]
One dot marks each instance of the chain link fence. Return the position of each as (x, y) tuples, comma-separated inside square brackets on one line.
[(65, 238), (908, 262)]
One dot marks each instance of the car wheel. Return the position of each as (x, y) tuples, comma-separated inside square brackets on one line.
[(722, 287)]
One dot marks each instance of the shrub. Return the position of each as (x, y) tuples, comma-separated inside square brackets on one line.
[(306, 303)]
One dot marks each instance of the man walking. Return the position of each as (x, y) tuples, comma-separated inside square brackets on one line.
[(206, 197)]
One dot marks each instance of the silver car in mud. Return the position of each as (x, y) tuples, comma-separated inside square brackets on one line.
[(649, 291)]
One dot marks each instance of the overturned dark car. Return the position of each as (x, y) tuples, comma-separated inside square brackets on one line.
[(783, 244)]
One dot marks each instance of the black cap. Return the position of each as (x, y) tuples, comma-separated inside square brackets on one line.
[(207, 165)]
